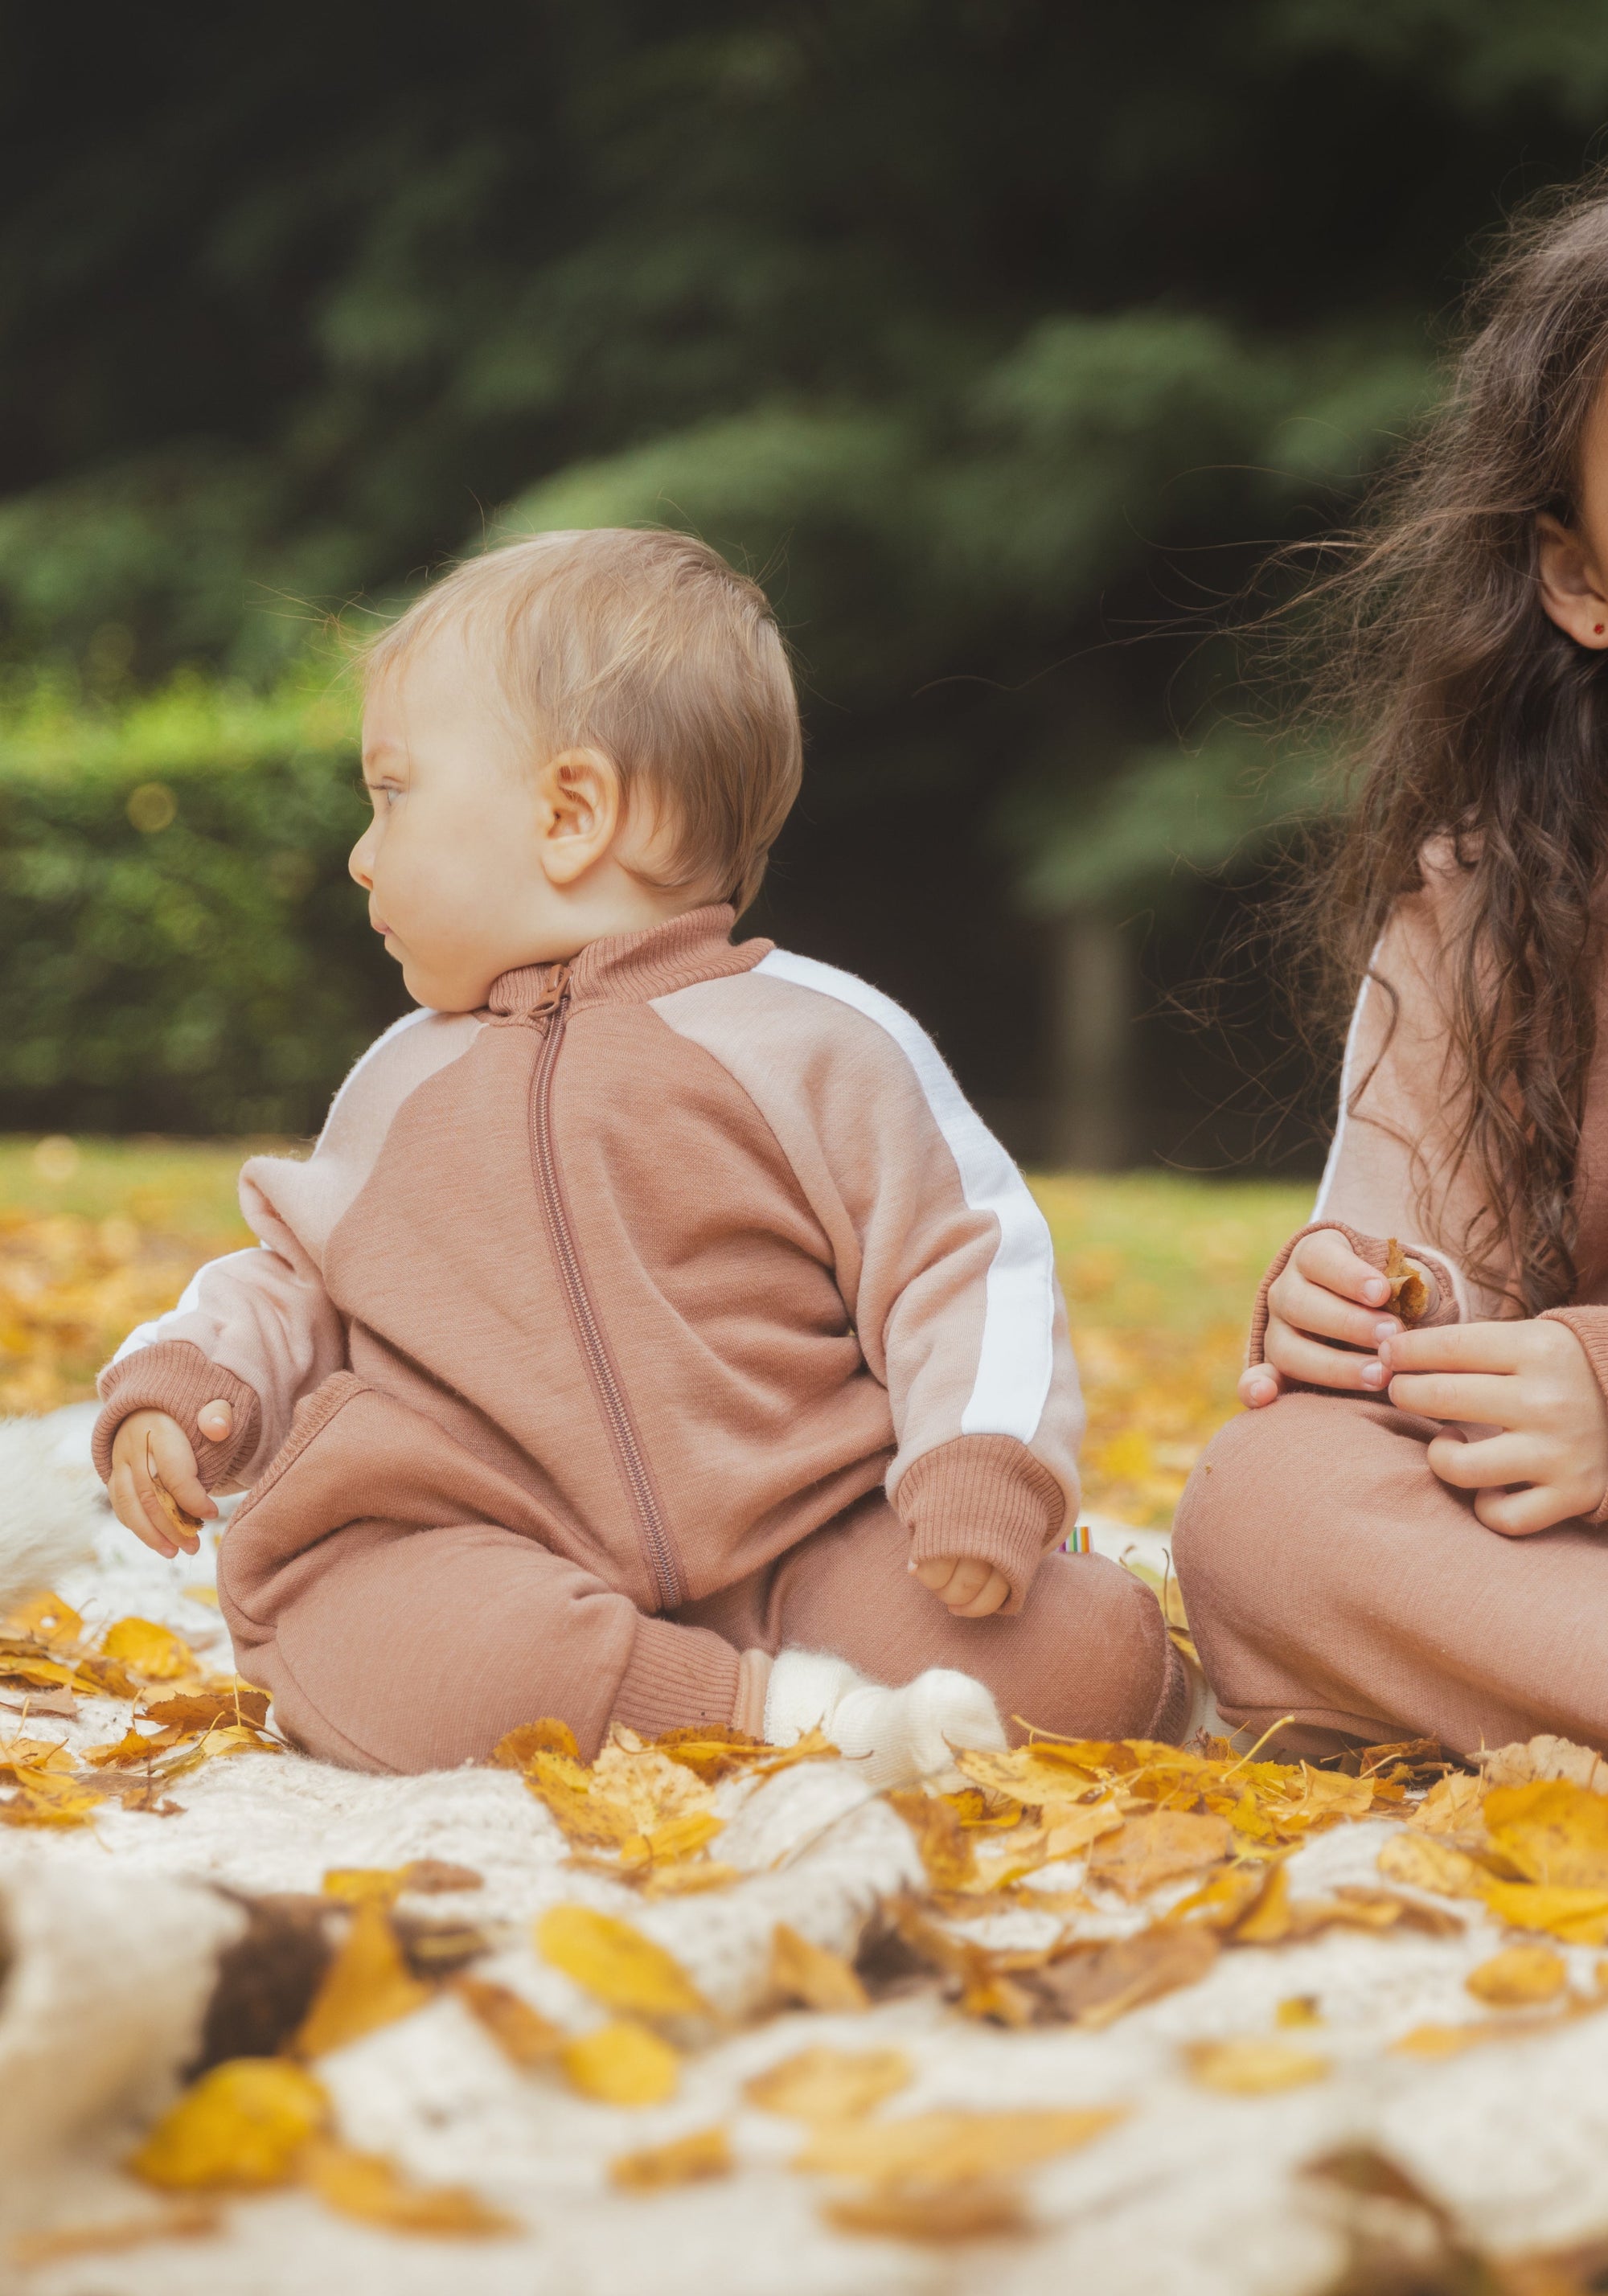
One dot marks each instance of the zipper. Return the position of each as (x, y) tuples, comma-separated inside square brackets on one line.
[(651, 1533)]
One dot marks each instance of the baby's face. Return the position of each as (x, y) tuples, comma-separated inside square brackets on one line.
[(450, 860)]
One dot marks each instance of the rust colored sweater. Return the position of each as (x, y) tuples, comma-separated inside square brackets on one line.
[(704, 1234)]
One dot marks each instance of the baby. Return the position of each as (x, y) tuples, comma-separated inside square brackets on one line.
[(654, 1334)]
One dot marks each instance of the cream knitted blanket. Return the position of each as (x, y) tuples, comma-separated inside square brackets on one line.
[(112, 1933)]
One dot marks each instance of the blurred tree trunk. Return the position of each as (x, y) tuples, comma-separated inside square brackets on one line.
[(1091, 1017)]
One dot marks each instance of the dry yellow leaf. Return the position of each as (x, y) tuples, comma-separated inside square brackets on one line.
[(677, 1839), (685, 2161), (1156, 1847), (177, 2220), (1420, 1862), (622, 2064), (1453, 1809), (155, 1651), (981, 2209), (522, 2033), (616, 1963), (1297, 2010), (1433, 2040), (46, 1798), (1518, 1977), (189, 1710), (1253, 2067), (372, 2189), (352, 1885), (829, 2084), (945, 1844), (801, 1971), (1545, 1757), (1095, 1985), (1553, 1831), (44, 1617), (1267, 1921), (367, 1985), (949, 2148), (245, 2125), (516, 1750), (1409, 1292), (1043, 1772), (1574, 1916)]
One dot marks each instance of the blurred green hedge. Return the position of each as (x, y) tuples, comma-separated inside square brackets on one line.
[(181, 948)]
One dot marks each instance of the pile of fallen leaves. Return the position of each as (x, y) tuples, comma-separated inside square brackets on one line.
[(182, 1715), (1196, 1840)]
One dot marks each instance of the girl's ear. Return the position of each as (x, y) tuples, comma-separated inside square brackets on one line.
[(577, 812), (1575, 590)]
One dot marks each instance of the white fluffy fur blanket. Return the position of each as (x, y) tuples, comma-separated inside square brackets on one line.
[(110, 1940)]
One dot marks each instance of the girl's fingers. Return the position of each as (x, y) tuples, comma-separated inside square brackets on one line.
[(1517, 1514), (1327, 1258), (1259, 1386), (1309, 1308), (1298, 1358), (1484, 1466), (1490, 1399)]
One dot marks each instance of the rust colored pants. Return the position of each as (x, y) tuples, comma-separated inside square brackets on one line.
[(406, 1603), (1329, 1575)]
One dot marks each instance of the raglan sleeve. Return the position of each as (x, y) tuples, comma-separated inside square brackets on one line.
[(255, 1330), (947, 1266), (1394, 1169)]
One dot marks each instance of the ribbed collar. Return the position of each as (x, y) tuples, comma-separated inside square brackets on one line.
[(632, 967)]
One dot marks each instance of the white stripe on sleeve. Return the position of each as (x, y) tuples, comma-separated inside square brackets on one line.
[(1015, 1359)]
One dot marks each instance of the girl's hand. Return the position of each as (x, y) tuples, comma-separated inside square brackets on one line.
[(1328, 1314), (968, 1589), (150, 1447), (1532, 1381)]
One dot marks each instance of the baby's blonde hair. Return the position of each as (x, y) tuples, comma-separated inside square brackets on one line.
[(648, 647)]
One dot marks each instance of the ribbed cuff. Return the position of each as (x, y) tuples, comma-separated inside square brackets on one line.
[(1443, 1292), (175, 1377), (985, 1497), (1590, 1327), (676, 1675)]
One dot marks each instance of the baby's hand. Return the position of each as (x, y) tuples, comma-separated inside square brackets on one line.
[(150, 1448), (1327, 1316), (968, 1589)]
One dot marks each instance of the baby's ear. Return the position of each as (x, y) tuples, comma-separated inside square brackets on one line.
[(579, 811)]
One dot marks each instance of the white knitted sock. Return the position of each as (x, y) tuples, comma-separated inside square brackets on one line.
[(892, 1736)]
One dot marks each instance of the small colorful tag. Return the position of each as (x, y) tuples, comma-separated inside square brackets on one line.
[(1078, 1540)]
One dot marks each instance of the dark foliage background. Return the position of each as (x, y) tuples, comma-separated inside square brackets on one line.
[(1002, 336)]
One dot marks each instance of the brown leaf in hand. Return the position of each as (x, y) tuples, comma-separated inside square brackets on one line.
[(1410, 1292)]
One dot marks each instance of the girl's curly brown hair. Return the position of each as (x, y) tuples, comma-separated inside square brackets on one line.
[(1472, 715)]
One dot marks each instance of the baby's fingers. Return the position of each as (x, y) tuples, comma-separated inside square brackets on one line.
[(935, 1575), (994, 1591), (130, 1512)]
